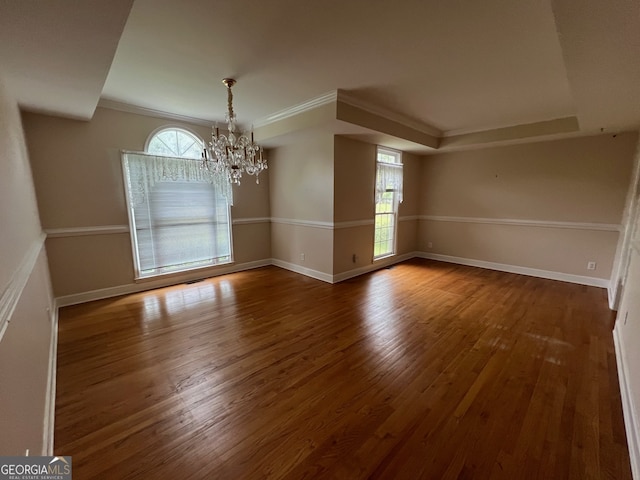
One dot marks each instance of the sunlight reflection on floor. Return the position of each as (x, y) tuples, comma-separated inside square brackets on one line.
[(171, 301)]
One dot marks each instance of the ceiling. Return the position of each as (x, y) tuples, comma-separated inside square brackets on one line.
[(454, 67)]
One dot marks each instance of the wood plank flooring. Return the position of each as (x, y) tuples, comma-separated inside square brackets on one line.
[(422, 371)]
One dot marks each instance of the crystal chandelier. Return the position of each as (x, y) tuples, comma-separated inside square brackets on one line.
[(233, 155)]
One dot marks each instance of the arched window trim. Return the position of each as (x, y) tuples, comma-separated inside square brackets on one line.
[(171, 127)]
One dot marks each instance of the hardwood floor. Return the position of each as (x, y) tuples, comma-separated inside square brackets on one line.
[(425, 370)]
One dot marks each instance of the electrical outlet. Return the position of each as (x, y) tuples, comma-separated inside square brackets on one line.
[(302, 257), (355, 258), (591, 265), (26, 454), (430, 245)]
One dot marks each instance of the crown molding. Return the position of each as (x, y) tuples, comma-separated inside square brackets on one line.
[(344, 97), (388, 114), (149, 112), (448, 140), (493, 128), (303, 107), (544, 130)]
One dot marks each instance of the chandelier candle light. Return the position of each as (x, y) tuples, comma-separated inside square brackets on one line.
[(232, 155)]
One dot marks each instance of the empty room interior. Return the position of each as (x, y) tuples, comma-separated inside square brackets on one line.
[(355, 239)]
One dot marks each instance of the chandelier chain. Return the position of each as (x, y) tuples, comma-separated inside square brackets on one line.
[(232, 155), (229, 83)]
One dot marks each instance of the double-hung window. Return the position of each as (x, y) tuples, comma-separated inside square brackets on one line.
[(388, 197), (179, 218)]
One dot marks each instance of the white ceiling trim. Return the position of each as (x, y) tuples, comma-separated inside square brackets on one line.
[(149, 112), (516, 132), (467, 131), (388, 114), (303, 107), (342, 96)]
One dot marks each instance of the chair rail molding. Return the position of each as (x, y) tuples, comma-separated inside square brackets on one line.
[(607, 227), (10, 296)]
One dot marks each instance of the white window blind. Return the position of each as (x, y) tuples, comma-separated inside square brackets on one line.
[(179, 219)]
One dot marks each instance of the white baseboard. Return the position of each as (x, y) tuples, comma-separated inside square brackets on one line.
[(325, 277), (532, 272), (628, 408), (100, 294), (109, 292), (612, 294), (50, 399), (375, 266), (76, 298)]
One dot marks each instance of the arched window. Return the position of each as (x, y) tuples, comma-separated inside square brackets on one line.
[(174, 142), (180, 220)]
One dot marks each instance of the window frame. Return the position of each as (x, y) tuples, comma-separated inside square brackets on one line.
[(165, 271), (155, 133), (397, 154)]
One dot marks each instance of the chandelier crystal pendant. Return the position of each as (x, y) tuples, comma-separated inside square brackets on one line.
[(232, 155)]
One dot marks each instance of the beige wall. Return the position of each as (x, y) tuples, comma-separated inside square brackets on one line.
[(26, 302), (354, 201), (290, 242), (355, 171), (412, 168), (252, 241), (86, 263), (578, 180), (354, 182), (19, 219), (562, 250), (350, 241), (408, 240), (301, 179), (318, 181), (301, 176), (78, 178)]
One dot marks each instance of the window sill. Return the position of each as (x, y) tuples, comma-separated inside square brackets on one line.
[(182, 275), (383, 257)]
